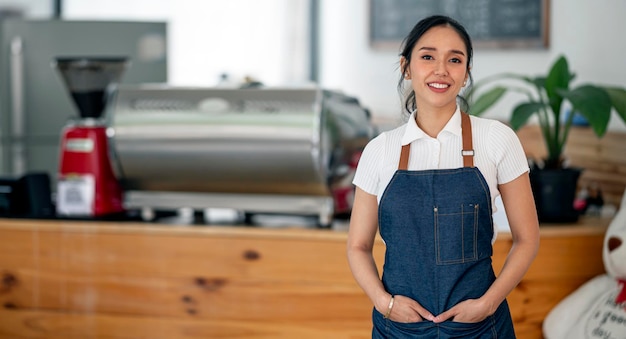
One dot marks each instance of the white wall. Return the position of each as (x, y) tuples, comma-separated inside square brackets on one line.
[(266, 40), (589, 33)]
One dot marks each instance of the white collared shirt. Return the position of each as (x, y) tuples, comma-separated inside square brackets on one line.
[(498, 153)]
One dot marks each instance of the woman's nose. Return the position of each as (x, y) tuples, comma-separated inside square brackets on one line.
[(441, 69)]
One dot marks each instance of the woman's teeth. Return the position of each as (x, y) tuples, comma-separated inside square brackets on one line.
[(436, 85)]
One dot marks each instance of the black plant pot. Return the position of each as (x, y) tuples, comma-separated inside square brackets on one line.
[(554, 191)]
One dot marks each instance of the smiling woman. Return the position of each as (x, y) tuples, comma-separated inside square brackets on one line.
[(428, 187)]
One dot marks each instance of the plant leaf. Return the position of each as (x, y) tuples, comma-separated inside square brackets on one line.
[(487, 99), (558, 79), (618, 99), (522, 112), (593, 103), (539, 82)]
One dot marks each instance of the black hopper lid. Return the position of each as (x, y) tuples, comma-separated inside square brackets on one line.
[(89, 80)]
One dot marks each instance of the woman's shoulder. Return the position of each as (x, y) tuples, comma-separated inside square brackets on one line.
[(390, 135), (498, 140), (380, 146), (490, 127), (395, 133), (487, 122)]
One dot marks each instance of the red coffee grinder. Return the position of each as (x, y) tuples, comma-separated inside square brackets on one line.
[(86, 183)]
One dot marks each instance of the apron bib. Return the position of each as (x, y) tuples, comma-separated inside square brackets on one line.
[(437, 226)]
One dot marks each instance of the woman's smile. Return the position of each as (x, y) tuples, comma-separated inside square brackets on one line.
[(438, 87)]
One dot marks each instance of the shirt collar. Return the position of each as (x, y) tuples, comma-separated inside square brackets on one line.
[(413, 132)]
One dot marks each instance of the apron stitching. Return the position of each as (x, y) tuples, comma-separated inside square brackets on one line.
[(486, 189), (436, 232), (487, 192), (493, 327), (476, 231), (462, 234)]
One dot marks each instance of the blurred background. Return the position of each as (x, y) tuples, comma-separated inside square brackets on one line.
[(296, 41), (280, 44)]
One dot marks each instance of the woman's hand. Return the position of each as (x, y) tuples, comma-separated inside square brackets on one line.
[(467, 311), (407, 310)]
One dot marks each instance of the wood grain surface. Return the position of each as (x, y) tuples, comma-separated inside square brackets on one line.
[(70, 280), (603, 160)]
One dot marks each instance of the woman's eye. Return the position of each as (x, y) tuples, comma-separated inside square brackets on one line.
[(455, 60), (427, 57)]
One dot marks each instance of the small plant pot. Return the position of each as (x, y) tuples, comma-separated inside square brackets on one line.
[(554, 191)]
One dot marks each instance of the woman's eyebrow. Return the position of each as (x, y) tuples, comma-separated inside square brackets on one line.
[(454, 51)]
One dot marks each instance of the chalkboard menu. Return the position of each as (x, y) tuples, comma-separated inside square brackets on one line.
[(490, 23)]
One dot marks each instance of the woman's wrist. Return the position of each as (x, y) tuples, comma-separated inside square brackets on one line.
[(389, 308), (490, 303), (382, 302)]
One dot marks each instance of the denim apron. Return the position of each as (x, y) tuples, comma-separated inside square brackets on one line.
[(437, 226)]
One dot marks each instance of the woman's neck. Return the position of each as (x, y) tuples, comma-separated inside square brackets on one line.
[(432, 121)]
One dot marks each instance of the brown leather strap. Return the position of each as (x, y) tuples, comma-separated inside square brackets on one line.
[(468, 148), (467, 152), (404, 157)]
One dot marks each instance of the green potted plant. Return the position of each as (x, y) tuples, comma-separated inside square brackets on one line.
[(550, 98)]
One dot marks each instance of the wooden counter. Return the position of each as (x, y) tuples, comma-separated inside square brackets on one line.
[(65, 280)]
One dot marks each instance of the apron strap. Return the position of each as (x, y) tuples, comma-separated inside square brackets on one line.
[(404, 157), (467, 152), (468, 148)]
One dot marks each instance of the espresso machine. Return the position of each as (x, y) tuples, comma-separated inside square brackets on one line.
[(87, 185)]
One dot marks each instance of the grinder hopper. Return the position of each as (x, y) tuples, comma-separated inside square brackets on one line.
[(88, 80)]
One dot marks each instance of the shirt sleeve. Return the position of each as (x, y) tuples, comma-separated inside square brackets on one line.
[(367, 176), (508, 153)]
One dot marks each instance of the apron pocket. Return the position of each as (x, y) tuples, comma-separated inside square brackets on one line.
[(400, 330), (483, 329), (456, 232)]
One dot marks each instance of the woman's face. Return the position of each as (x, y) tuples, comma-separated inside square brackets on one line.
[(438, 68)]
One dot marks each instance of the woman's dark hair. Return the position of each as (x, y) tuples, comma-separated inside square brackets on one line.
[(407, 50)]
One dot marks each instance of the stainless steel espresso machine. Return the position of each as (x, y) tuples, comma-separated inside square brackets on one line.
[(255, 150)]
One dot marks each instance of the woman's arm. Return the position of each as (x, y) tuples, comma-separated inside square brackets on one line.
[(361, 236), (520, 209), (521, 213)]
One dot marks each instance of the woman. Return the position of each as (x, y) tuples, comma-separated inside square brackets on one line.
[(429, 188)]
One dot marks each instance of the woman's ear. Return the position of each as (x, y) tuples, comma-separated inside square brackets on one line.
[(404, 68), (469, 69)]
